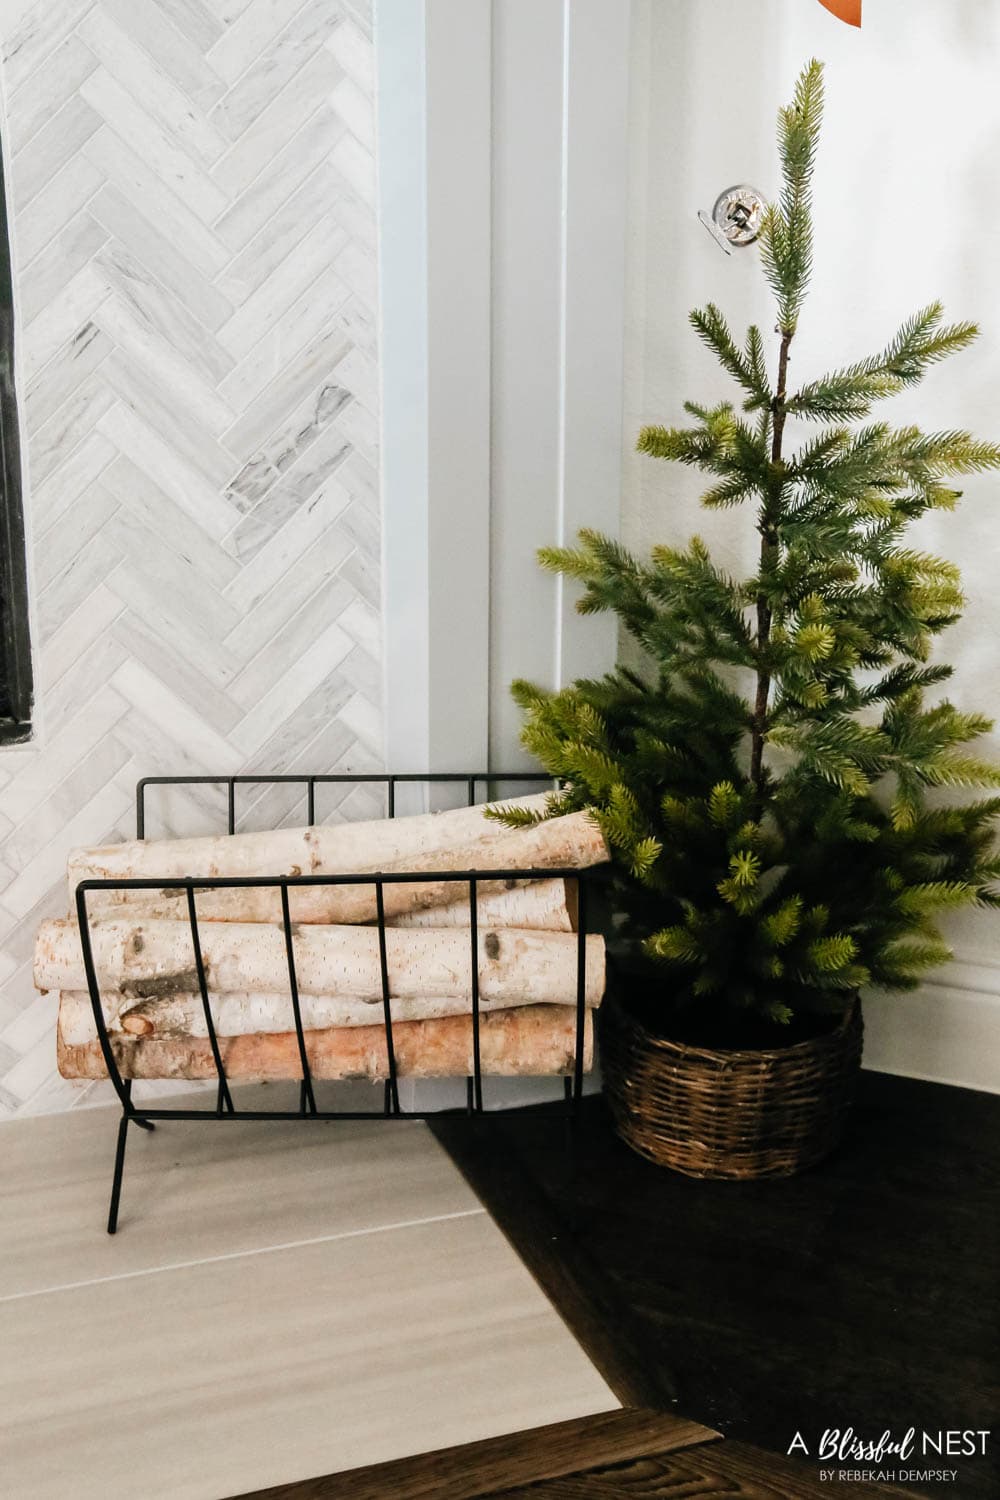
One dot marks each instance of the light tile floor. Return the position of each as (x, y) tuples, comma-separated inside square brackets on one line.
[(280, 1301)]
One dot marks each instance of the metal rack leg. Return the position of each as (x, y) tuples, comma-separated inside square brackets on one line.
[(116, 1182)]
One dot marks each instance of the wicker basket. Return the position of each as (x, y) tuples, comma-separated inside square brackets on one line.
[(728, 1114)]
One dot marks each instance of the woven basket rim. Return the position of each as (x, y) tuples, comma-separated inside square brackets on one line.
[(734, 1056)]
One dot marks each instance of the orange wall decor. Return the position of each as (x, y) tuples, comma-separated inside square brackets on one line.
[(847, 10)]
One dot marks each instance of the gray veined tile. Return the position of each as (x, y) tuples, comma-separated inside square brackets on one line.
[(315, 468), (69, 253), (143, 237), (302, 266), (264, 425), (70, 190), (60, 379), (160, 148), (175, 719), (148, 193), (302, 677), (166, 317), (363, 572), (89, 824), (36, 36), (360, 427), (300, 544), (279, 177), (356, 165), (171, 617), (148, 24), (64, 71), (39, 779), (157, 95), (51, 147), (315, 568), (273, 68), (90, 773), (88, 623), (50, 444), (62, 319), (355, 266)]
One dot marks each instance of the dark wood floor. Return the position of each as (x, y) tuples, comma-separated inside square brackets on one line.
[(863, 1294)]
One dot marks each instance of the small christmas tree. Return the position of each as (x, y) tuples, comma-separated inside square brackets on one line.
[(763, 782)]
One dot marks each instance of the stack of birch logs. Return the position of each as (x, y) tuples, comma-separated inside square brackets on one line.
[(148, 981)]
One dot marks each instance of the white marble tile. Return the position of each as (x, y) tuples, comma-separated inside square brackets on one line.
[(176, 720), (91, 671), (82, 469), (156, 390), (65, 69), (252, 32), (273, 68), (54, 442), (195, 20), (355, 109), (292, 547), (285, 284), (179, 117), (57, 547), (70, 190), (264, 423), (185, 486), (35, 781), (288, 644), (88, 568), (92, 770), (316, 467), (147, 23), (362, 717), (51, 148), (61, 321), (148, 194), (64, 373), (145, 242), (129, 120), (266, 251), (163, 654), (148, 503), (89, 621), (356, 167), (278, 178), (301, 678), (150, 305), (310, 313), (88, 825), (353, 51), (49, 273), (172, 617), (36, 36), (168, 573)]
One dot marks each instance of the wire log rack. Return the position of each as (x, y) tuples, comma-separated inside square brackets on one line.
[(467, 881)]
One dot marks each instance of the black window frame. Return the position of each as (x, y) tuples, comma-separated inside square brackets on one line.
[(16, 683)]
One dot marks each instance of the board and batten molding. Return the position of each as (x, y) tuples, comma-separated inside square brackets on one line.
[(503, 163)]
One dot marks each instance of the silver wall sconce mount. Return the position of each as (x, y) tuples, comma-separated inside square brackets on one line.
[(735, 218)]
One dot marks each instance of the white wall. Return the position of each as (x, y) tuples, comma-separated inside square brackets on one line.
[(905, 211)]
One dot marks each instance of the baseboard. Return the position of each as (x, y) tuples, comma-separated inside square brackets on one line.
[(948, 1031)]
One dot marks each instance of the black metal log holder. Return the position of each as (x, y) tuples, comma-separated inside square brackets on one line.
[(224, 1108)]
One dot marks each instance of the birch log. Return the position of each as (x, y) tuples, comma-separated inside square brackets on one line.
[(241, 1013), (543, 905), (537, 1039), (326, 850), (147, 959), (573, 841)]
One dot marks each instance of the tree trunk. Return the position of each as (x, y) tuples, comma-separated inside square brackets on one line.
[(573, 841), (144, 960), (327, 850), (243, 1013), (538, 1039)]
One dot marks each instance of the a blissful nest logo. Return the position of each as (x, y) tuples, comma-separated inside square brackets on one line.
[(912, 1457)]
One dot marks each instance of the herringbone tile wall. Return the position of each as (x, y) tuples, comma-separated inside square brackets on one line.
[(192, 188)]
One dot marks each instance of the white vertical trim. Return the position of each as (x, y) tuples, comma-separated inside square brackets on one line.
[(459, 130), (402, 223)]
